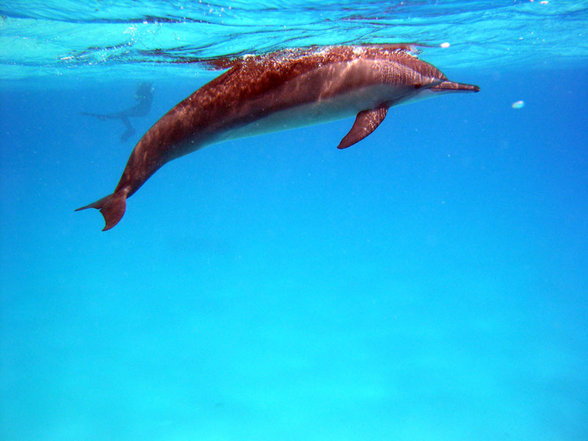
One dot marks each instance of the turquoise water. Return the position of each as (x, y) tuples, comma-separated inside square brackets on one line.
[(428, 283)]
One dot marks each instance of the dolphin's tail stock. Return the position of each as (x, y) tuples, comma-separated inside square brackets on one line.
[(112, 208)]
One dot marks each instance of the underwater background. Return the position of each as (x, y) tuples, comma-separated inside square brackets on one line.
[(428, 283)]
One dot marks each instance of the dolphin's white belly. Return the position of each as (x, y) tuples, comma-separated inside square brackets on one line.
[(331, 109)]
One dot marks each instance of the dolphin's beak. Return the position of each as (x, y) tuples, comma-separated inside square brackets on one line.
[(450, 86)]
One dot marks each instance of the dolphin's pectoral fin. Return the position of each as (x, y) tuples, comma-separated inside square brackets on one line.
[(365, 123)]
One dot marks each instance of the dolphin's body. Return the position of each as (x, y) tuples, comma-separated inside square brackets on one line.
[(278, 91)]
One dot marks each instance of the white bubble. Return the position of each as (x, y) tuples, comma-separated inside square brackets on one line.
[(445, 45), (518, 104)]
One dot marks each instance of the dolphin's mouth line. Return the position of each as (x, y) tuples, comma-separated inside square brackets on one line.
[(450, 86)]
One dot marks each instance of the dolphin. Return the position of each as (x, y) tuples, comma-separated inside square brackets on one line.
[(278, 91)]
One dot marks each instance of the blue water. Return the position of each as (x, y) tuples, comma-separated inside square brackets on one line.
[(428, 283)]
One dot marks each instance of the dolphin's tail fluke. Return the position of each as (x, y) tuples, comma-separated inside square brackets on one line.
[(112, 208)]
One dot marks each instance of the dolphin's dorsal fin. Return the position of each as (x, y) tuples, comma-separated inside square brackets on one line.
[(365, 123)]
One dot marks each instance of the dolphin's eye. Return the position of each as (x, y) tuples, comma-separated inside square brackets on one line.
[(417, 86)]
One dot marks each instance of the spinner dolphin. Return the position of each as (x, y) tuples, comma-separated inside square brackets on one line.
[(278, 91)]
